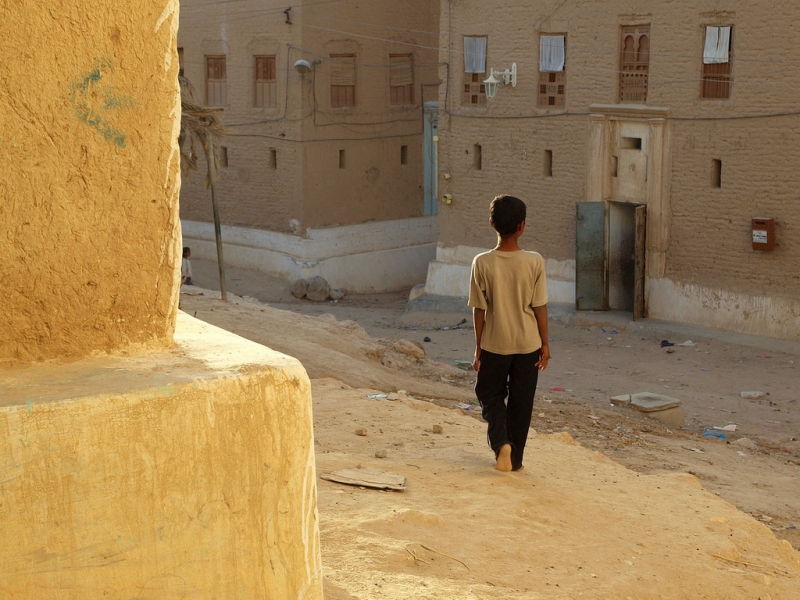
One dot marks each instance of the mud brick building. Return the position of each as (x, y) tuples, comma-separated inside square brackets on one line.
[(323, 170), (656, 145)]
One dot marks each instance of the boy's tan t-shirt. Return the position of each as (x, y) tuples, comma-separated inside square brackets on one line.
[(508, 285)]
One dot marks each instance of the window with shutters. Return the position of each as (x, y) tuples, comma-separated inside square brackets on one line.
[(266, 93), (216, 81), (343, 80), (552, 71), (717, 63), (634, 64), (474, 71), (401, 79)]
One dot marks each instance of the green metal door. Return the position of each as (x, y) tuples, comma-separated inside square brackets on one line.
[(430, 205), (591, 281)]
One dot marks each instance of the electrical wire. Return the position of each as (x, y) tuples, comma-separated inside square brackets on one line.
[(306, 140), (499, 58), (247, 14), (653, 79)]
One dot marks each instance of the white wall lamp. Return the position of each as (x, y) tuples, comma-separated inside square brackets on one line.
[(506, 77)]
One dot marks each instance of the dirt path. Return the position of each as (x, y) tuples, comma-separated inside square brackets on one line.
[(760, 478), (594, 362), (575, 525)]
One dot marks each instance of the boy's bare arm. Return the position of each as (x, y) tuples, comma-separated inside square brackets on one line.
[(540, 312), (478, 318)]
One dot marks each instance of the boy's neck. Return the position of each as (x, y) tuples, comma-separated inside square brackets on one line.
[(508, 244)]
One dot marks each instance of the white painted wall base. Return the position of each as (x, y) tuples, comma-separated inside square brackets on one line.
[(373, 257), (449, 274), (667, 300), (757, 315)]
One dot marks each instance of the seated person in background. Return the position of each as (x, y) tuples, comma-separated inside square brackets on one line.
[(186, 267)]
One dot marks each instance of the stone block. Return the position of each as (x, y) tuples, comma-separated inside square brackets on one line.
[(299, 288), (664, 408), (183, 473), (411, 349), (318, 289)]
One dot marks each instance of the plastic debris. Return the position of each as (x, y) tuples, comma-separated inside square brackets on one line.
[(688, 344), (464, 365), (740, 453), (558, 389), (464, 406), (613, 332), (426, 339), (709, 432), (729, 427), (665, 343), (376, 396), (752, 395)]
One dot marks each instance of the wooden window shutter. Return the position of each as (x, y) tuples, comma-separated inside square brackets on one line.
[(401, 71), (343, 69), (216, 81), (634, 64), (401, 79), (343, 80), (552, 92), (718, 76)]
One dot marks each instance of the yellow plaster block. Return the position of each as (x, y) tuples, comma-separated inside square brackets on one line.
[(186, 473), (89, 230)]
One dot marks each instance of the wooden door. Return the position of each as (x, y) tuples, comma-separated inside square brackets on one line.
[(639, 308)]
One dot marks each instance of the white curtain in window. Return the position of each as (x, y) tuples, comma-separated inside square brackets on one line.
[(718, 43), (551, 53), (475, 55)]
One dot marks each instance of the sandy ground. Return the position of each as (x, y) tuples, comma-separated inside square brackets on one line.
[(577, 524)]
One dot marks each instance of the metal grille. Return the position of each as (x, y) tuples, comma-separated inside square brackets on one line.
[(266, 85)]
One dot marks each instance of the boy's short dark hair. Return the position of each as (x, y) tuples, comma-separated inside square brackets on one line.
[(186, 250), (507, 213)]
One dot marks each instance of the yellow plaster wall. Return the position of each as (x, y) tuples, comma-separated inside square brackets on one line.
[(89, 229), (186, 473)]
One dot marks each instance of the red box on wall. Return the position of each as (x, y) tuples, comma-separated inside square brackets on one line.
[(763, 233)]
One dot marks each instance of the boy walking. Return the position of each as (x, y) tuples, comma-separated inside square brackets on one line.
[(508, 296)]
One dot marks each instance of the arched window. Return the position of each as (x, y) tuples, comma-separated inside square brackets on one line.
[(634, 64)]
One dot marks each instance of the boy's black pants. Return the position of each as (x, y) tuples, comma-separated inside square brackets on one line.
[(513, 376)]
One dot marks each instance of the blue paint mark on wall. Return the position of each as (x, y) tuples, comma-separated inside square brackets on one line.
[(84, 92)]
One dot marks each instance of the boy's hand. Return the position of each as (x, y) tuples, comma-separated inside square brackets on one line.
[(476, 362), (544, 359)]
